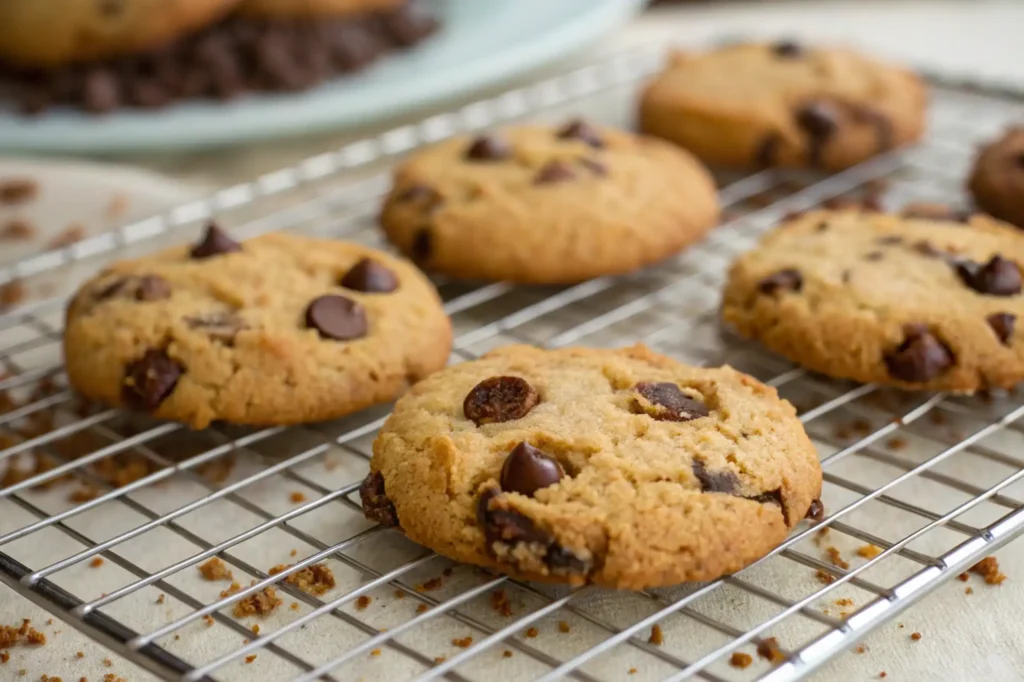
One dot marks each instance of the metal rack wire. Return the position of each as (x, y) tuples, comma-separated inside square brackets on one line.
[(910, 460)]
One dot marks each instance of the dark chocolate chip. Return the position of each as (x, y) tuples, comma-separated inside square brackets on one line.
[(500, 399), (220, 326), (150, 380), (376, 505), (767, 151), (666, 402), (1002, 324), (921, 357), (553, 172), (422, 245), (583, 131), (889, 240), (787, 49), (783, 280), (336, 317), (526, 470), (369, 276), (997, 277), (715, 481), (769, 497), (819, 121), (874, 256), (214, 243), (816, 512), (488, 148), (152, 288)]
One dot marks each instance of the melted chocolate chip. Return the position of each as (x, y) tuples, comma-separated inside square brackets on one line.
[(526, 470), (488, 148), (214, 243), (220, 326), (422, 245), (369, 276), (1002, 324), (784, 280), (553, 172), (336, 317), (787, 49), (150, 380), (376, 505), (767, 151), (583, 131), (921, 357), (500, 399), (819, 121), (997, 277), (715, 481), (816, 512), (665, 401)]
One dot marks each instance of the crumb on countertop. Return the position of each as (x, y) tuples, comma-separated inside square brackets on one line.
[(915, 636), (896, 443), (563, 626), (399, 594), (363, 601), (632, 671), (969, 590), (259, 603), (250, 658), (463, 643), (160, 599), (18, 190), (531, 633), (11, 294), (297, 497), (17, 229), (375, 653), (438, 660), (96, 562), (835, 558), (13, 634), (768, 649), (294, 552), (422, 608), (501, 603), (657, 636), (506, 654), (860, 649), (431, 585), (846, 601), (963, 577), (868, 551), (215, 569), (988, 568), (313, 579), (824, 577), (233, 588), (740, 659)]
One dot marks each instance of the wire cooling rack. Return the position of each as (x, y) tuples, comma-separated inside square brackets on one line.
[(918, 487)]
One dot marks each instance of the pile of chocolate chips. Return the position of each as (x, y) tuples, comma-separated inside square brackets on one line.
[(235, 56)]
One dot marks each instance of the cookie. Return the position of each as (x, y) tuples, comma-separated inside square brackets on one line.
[(920, 303), (281, 329), (997, 179), (543, 205), (783, 104), (622, 468), (314, 8), (48, 33)]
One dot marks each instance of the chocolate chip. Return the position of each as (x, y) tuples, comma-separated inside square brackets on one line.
[(488, 148), (819, 121), (926, 249), (376, 505), (874, 256), (787, 49), (152, 288), (1002, 324), (422, 245), (555, 171), (889, 240), (336, 317), (583, 131), (666, 402), (784, 280), (526, 470), (816, 512), (150, 380), (921, 357), (715, 481), (500, 399), (997, 277), (767, 151), (220, 326), (214, 243), (369, 276)]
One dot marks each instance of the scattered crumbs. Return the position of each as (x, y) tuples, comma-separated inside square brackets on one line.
[(79, 654), (160, 599), (963, 577), (375, 653), (250, 658), (11, 294), (4, 656), (431, 585), (297, 497), (501, 603), (17, 229), (768, 649), (314, 579), (18, 190), (50, 678), (232, 589), (915, 636), (819, 536), (563, 626), (215, 569), (740, 659), (896, 443), (71, 234), (506, 654), (657, 636), (868, 551), (293, 552), (422, 608), (860, 649), (438, 660), (363, 602), (824, 577), (260, 603), (844, 602), (96, 562), (463, 643), (108, 663), (835, 558), (531, 633), (294, 606), (969, 590), (988, 568), (632, 671), (255, 629), (110, 677), (208, 619), (12, 634)]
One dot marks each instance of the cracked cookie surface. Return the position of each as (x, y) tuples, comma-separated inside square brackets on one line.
[(919, 303), (622, 468), (548, 205), (280, 329), (783, 104)]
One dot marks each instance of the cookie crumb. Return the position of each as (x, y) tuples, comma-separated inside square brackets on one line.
[(896, 443), (363, 601), (160, 599), (260, 603), (915, 636), (531, 633), (208, 619), (963, 577), (294, 606), (297, 497), (399, 594), (988, 568), (883, 674), (632, 671), (501, 603), (4, 656), (255, 629), (860, 649), (250, 659), (824, 577), (506, 654), (463, 643), (11, 294), (657, 636), (375, 653), (969, 590), (12, 634), (563, 626), (70, 235), (314, 579), (900, 625), (835, 558), (740, 659), (438, 660), (844, 602), (107, 662), (233, 588), (868, 551), (18, 190), (768, 649), (215, 569), (293, 552), (422, 608), (17, 229), (819, 536), (431, 585)]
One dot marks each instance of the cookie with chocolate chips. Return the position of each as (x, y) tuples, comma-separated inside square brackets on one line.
[(922, 300), (997, 179), (548, 205), (622, 468), (280, 329), (783, 104)]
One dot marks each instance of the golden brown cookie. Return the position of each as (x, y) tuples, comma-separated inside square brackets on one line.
[(622, 468), (997, 180), (920, 303), (548, 205), (315, 8), (280, 329), (54, 32), (783, 104)]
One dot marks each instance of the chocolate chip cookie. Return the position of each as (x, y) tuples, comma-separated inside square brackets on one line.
[(280, 329), (622, 468), (920, 303), (997, 180), (548, 205), (783, 104)]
